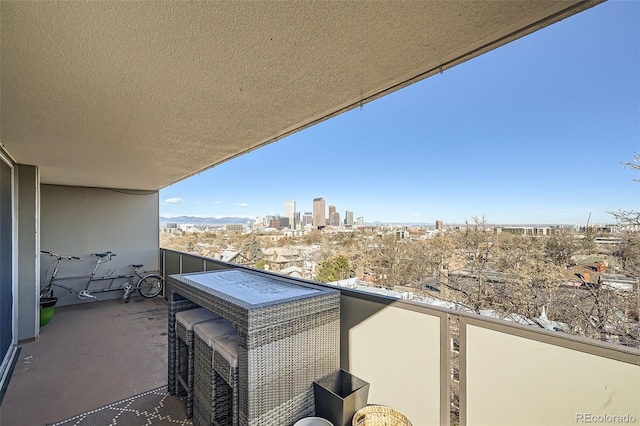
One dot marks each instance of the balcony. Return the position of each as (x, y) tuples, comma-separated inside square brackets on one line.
[(414, 356), (98, 117), (426, 362), (88, 356)]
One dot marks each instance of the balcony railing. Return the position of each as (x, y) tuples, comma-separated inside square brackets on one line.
[(441, 367)]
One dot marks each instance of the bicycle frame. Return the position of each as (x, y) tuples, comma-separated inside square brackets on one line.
[(86, 292)]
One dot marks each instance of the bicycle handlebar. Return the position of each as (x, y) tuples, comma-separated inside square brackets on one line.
[(57, 256)]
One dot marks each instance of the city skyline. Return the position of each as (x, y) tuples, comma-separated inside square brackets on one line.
[(536, 131)]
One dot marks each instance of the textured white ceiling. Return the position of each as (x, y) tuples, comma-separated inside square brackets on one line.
[(140, 94)]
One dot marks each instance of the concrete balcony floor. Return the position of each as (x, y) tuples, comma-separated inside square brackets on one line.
[(88, 356)]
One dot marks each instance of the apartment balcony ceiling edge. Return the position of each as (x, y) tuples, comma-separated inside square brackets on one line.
[(142, 95)]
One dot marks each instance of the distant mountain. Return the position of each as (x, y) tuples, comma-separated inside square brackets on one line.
[(210, 221)]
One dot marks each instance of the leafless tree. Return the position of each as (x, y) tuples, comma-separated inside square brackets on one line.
[(634, 165), (560, 247), (477, 243), (629, 217)]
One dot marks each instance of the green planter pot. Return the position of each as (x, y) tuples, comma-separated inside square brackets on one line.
[(47, 305)]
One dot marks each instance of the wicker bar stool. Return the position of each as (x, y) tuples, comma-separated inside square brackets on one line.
[(225, 366), (211, 406), (185, 322)]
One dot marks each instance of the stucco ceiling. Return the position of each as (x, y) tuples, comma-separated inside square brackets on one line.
[(140, 95)]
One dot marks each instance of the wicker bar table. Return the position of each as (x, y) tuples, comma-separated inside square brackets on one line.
[(289, 336)]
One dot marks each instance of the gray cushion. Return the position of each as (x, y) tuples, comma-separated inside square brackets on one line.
[(210, 330), (227, 346), (194, 316)]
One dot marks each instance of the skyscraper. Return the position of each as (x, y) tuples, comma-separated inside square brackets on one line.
[(307, 219), (290, 212), (319, 218), (334, 219), (348, 218)]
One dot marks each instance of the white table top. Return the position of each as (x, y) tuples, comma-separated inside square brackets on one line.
[(250, 288)]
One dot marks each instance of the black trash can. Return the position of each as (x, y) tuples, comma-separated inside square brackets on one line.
[(339, 395)]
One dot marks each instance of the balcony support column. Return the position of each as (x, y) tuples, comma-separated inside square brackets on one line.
[(28, 221)]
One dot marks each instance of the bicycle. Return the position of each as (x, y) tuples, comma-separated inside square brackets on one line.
[(148, 285)]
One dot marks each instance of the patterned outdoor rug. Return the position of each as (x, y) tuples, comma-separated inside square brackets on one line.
[(154, 407)]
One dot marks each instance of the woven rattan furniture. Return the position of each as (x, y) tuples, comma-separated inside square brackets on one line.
[(379, 415), (213, 403), (225, 366), (185, 321), (180, 305), (288, 336)]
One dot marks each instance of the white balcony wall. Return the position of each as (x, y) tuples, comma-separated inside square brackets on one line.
[(396, 350), (513, 380), (79, 221)]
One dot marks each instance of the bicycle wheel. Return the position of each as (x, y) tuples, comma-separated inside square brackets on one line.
[(150, 286)]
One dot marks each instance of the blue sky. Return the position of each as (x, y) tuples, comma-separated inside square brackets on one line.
[(533, 132)]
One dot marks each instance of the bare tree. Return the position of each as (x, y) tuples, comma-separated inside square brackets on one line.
[(388, 257), (628, 253), (635, 164), (477, 242), (530, 279), (560, 247), (626, 217), (437, 252), (252, 250), (601, 312), (629, 217)]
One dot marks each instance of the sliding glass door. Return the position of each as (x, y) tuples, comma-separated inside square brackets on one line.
[(6, 266)]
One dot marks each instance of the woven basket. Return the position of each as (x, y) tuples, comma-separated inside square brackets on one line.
[(379, 415)]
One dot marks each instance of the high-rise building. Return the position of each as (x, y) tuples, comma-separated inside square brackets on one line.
[(333, 216), (290, 212), (319, 211), (360, 221), (348, 218), (274, 223), (334, 219), (439, 225), (234, 227), (307, 219)]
